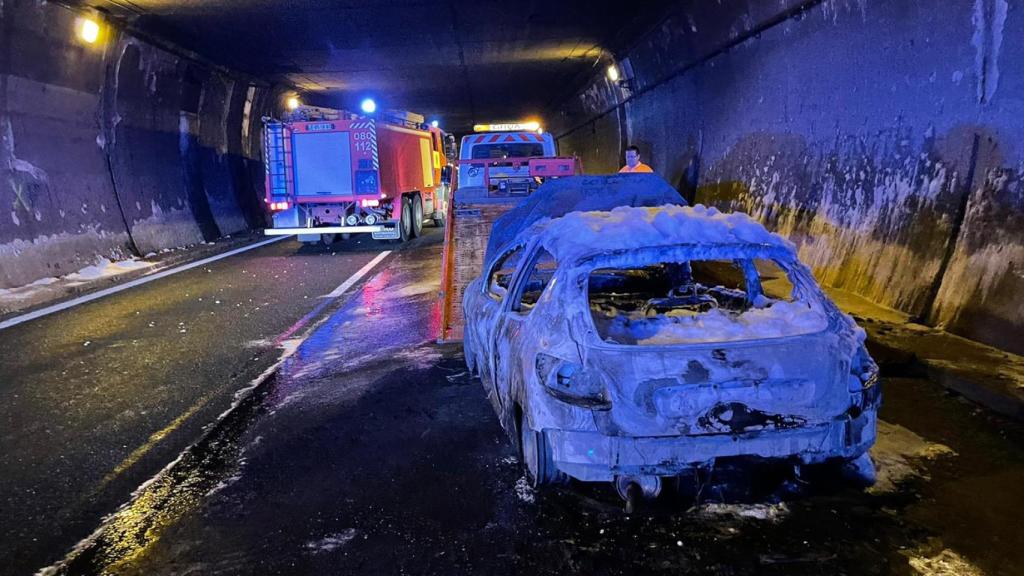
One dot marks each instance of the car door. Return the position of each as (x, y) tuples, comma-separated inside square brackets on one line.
[(496, 285), (511, 328)]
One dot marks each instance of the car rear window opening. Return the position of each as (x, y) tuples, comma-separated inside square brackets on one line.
[(699, 301), (507, 150)]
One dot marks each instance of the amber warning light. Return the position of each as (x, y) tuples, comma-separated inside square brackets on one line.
[(508, 127)]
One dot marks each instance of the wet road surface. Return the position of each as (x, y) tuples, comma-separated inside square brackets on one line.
[(372, 452), (96, 399)]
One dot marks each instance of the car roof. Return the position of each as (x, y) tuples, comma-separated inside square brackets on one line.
[(580, 235), (558, 197)]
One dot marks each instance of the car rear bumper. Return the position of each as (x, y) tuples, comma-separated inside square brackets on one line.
[(592, 456)]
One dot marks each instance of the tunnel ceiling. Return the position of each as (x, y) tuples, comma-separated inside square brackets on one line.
[(464, 61)]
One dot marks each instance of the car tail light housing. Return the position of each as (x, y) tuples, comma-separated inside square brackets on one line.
[(864, 372), (572, 383)]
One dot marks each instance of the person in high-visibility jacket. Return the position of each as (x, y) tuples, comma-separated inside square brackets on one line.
[(633, 163)]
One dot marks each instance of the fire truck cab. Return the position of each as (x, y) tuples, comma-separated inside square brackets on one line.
[(331, 173)]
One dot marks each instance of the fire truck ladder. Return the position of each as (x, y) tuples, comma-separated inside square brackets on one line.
[(467, 230), (278, 160)]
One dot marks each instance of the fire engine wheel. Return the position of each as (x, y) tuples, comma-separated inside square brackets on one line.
[(417, 216), (405, 224), (328, 239)]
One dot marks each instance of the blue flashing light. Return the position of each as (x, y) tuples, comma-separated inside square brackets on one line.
[(368, 106), (435, 123)]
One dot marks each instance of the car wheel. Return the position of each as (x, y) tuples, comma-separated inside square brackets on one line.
[(417, 216), (328, 239), (405, 224), (535, 455)]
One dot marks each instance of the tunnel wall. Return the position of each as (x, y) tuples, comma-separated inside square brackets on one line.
[(881, 137), (116, 149)]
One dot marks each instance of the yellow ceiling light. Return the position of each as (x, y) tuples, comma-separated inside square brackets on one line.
[(292, 103), (88, 30)]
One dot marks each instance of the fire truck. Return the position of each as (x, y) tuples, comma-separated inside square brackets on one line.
[(331, 173)]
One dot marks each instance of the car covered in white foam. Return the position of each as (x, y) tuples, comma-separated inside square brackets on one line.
[(641, 342)]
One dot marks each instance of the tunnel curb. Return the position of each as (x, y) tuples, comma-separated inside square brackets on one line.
[(983, 380), (59, 293)]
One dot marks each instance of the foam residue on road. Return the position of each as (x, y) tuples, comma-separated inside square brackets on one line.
[(331, 542), (104, 268), (14, 298), (767, 512), (945, 563), (524, 491)]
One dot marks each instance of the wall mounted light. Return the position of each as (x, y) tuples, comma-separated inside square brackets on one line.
[(88, 30), (292, 103), (621, 74)]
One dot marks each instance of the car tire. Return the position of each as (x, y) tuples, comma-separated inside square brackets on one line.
[(535, 456), (417, 216)]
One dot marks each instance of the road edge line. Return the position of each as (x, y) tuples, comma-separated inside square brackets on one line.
[(344, 286), (85, 298)]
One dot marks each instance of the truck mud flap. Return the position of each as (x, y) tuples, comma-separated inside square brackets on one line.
[(387, 234)]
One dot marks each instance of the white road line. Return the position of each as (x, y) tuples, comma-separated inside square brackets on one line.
[(132, 284), (358, 275)]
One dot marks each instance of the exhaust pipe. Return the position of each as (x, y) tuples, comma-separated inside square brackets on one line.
[(633, 488)]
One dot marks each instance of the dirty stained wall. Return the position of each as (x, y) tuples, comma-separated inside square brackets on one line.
[(881, 137), (116, 149)]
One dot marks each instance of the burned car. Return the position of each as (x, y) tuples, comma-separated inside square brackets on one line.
[(638, 343)]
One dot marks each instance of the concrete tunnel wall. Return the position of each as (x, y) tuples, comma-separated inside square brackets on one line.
[(117, 148), (883, 138)]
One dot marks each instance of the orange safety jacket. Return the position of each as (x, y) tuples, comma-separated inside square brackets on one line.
[(640, 167)]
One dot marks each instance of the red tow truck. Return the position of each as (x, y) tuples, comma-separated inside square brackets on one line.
[(331, 173)]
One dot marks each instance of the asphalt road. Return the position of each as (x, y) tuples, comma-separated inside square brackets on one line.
[(372, 452), (97, 399)]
